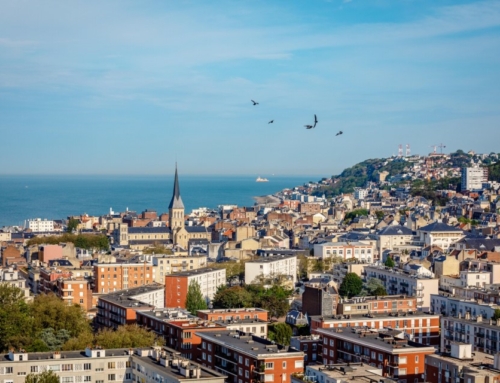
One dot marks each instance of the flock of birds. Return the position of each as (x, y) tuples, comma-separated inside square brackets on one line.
[(306, 126)]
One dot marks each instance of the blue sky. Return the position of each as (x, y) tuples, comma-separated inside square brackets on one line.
[(122, 87)]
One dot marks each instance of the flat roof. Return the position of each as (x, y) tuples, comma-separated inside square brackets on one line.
[(167, 314), (126, 297), (249, 344), (232, 311), (357, 372), (369, 317), (388, 340), (273, 258), (67, 354), (190, 273)]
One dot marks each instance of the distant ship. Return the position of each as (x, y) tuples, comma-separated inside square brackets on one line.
[(261, 179)]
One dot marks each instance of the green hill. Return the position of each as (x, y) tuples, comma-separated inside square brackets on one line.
[(361, 173)]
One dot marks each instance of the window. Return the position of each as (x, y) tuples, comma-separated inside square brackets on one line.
[(269, 365), (54, 367), (283, 377), (284, 364), (416, 359), (402, 360), (67, 367), (111, 377), (87, 378), (240, 359), (9, 370), (247, 374), (402, 371), (269, 378), (67, 379), (87, 366), (247, 362), (34, 368)]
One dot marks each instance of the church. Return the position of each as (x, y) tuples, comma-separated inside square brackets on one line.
[(176, 234)]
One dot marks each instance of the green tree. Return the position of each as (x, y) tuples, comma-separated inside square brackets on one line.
[(379, 292), (194, 299), (281, 333), (15, 319), (379, 214), (373, 284), (303, 266), (129, 336), (46, 376), (72, 225), (389, 262), (232, 297), (54, 340), (351, 285), (496, 314)]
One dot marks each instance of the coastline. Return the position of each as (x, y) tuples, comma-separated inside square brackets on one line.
[(267, 200)]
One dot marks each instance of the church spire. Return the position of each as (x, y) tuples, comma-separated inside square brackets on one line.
[(176, 201)]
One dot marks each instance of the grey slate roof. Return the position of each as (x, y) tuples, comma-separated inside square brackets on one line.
[(148, 230), (196, 229), (440, 226), (176, 201), (395, 230)]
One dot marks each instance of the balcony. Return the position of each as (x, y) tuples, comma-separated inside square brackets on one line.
[(405, 284)]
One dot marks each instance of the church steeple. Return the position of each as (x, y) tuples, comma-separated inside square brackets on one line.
[(176, 201), (176, 207)]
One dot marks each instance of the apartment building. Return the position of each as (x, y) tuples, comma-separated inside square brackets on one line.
[(346, 250), (394, 238), (473, 178), (449, 305), (156, 319), (439, 234), (311, 346), (248, 358), (176, 285), (171, 264), (319, 299), (377, 305), (38, 225), (112, 365), (483, 334), (388, 350), (420, 327), (111, 277), (309, 208), (10, 276), (398, 282), (462, 365), (121, 307), (340, 270), (283, 265)]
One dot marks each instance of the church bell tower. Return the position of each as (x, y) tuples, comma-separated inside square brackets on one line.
[(176, 207)]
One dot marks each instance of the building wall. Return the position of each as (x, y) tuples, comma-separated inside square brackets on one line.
[(238, 314), (361, 251), (111, 277), (282, 265)]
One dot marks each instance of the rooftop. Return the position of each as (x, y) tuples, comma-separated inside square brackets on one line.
[(440, 227), (191, 273), (387, 340), (356, 372), (368, 317), (127, 297), (167, 314), (273, 258), (248, 344)]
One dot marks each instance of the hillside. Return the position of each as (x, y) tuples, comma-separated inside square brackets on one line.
[(361, 173), (494, 172)]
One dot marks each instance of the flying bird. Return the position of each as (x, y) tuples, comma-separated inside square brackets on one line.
[(315, 120), (270, 122), (254, 103), (309, 126), (339, 133)]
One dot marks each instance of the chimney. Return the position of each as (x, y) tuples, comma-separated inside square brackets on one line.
[(479, 318)]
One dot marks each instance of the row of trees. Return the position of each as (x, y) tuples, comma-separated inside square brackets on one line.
[(83, 241), (48, 324)]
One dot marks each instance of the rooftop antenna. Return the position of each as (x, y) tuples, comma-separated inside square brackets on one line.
[(408, 150), (400, 151)]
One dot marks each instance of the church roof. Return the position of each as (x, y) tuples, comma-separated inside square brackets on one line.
[(176, 201)]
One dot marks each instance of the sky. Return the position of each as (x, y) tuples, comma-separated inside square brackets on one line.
[(131, 87)]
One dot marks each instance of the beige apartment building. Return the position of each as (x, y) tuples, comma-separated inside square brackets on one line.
[(115, 365), (168, 264)]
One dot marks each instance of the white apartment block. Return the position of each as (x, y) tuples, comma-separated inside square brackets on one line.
[(360, 193), (272, 266), (39, 225), (474, 177), (11, 277), (398, 282), (449, 305), (209, 281), (97, 365), (346, 250), (440, 234)]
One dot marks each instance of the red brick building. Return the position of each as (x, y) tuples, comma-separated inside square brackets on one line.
[(387, 350), (311, 346), (176, 285), (377, 305), (309, 208), (249, 359), (111, 277), (422, 328)]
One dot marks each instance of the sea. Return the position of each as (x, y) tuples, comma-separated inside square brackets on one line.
[(25, 197)]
